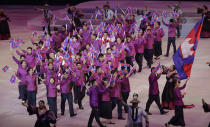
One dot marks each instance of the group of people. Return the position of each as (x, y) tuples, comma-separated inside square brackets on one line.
[(97, 63)]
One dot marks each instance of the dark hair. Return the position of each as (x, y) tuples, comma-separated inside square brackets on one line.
[(108, 49), (75, 36), (29, 69), (29, 48), (100, 55), (55, 29), (23, 61), (158, 22), (78, 63), (42, 101), (113, 71), (97, 67), (22, 56), (40, 42), (171, 20), (35, 44), (92, 81), (205, 7), (174, 67), (95, 35)]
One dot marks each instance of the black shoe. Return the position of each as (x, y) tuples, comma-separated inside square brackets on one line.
[(75, 101), (73, 115), (166, 55), (62, 114), (121, 118), (81, 107), (166, 124), (164, 112)]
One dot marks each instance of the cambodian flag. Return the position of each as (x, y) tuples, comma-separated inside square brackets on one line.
[(184, 56)]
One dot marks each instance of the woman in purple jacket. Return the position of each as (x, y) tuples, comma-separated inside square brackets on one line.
[(178, 119), (31, 87), (93, 92), (21, 75)]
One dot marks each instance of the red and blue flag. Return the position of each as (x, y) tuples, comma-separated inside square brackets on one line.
[(185, 54)]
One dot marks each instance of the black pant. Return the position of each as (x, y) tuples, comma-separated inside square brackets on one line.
[(125, 96), (148, 55), (152, 98), (64, 97), (157, 48), (80, 94), (171, 40), (53, 104), (38, 69), (178, 119), (94, 114), (116, 101), (178, 31), (22, 92), (139, 60), (31, 97)]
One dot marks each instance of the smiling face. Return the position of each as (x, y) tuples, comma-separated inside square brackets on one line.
[(52, 80), (24, 64)]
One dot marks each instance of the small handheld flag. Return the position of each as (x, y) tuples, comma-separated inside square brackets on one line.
[(157, 68), (13, 79), (5, 68)]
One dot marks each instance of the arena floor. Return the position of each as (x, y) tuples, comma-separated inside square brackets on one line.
[(13, 114)]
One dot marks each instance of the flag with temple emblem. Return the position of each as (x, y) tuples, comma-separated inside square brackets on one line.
[(185, 54)]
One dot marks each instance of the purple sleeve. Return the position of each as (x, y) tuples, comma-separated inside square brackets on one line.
[(164, 23), (16, 60), (18, 52), (51, 117), (181, 88)]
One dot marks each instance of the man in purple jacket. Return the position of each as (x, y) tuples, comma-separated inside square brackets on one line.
[(66, 94), (93, 92), (171, 35), (154, 92)]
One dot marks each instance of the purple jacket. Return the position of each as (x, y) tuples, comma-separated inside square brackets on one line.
[(139, 45), (21, 75), (130, 45), (18, 62), (125, 85), (116, 90), (159, 33), (153, 84), (52, 90), (65, 85), (149, 41), (178, 96), (76, 46), (93, 93), (171, 29), (31, 82), (96, 44), (105, 93)]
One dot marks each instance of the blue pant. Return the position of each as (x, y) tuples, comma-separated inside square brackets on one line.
[(53, 104), (116, 101), (64, 97), (31, 96), (171, 40), (22, 92)]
